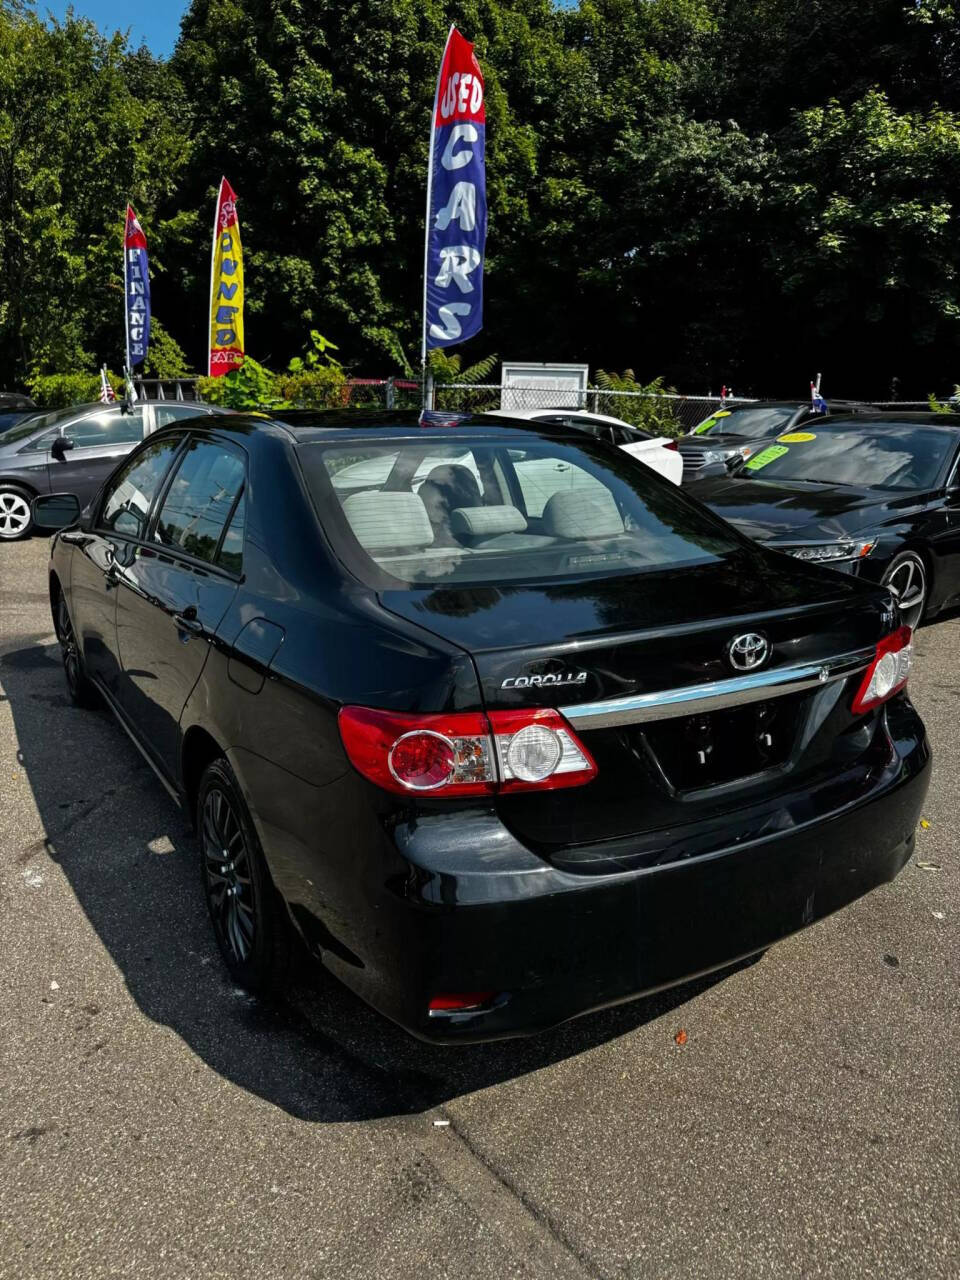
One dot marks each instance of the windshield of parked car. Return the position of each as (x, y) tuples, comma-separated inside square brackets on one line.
[(10, 417), (892, 456), (425, 511), (753, 422), (44, 419)]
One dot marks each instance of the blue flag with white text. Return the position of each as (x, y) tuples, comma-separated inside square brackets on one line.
[(457, 207)]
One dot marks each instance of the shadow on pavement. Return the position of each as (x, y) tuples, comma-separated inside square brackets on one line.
[(131, 861)]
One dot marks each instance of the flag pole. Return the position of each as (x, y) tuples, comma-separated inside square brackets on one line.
[(426, 374), (213, 261)]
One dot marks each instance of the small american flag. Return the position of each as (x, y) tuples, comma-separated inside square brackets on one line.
[(107, 395)]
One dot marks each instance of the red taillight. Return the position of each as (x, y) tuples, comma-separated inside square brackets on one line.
[(887, 673), (465, 753), (672, 444), (461, 1002)]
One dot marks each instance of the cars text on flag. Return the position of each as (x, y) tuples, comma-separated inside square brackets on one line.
[(456, 201)]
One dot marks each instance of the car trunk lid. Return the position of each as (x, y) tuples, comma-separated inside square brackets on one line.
[(635, 663)]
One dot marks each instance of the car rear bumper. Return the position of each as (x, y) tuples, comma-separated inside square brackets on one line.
[(479, 913)]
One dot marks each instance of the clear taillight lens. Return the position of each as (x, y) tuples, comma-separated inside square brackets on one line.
[(888, 672), (465, 753)]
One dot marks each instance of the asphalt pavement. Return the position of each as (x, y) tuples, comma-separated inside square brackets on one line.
[(156, 1122)]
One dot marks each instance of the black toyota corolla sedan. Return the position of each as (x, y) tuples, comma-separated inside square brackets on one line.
[(504, 726), (877, 496)]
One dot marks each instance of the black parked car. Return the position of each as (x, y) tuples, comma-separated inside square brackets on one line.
[(720, 443), (14, 407), (73, 451), (499, 752), (877, 496)]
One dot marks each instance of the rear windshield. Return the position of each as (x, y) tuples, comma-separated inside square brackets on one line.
[(752, 424), (422, 512), (888, 457)]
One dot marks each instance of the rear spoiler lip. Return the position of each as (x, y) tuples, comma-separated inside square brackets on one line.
[(668, 704)]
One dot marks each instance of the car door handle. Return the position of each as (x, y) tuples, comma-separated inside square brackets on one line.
[(188, 620)]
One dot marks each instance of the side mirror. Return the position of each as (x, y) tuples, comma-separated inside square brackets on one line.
[(56, 510), (60, 446)]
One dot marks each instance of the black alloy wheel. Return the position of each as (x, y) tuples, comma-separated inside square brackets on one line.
[(82, 692), (907, 579), (249, 920)]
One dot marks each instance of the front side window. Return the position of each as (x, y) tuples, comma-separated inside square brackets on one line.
[(502, 511), (40, 421), (201, 499), (129, 495), (115, 427)]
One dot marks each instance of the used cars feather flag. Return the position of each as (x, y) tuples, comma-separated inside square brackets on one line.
[(136, 290), (456, 201), (226, 287)]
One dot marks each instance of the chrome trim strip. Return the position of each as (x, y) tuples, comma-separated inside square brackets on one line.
[(667, 704)]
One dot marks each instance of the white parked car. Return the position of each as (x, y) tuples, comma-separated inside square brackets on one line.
[(658, 452)]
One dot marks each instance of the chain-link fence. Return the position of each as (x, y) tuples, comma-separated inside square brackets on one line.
[(383, 393), (673, 414)]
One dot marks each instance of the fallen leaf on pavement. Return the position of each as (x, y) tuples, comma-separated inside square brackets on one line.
[(681, 1037)]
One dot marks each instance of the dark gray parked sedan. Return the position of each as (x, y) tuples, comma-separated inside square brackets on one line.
[(73, 451)]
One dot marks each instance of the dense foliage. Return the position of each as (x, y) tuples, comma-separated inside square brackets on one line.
[(739, 191)]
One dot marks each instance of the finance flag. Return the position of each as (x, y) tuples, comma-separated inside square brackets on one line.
[(226, 287), (136, 290), (456, 229)]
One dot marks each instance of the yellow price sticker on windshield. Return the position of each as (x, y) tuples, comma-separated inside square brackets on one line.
[(765, 456), (710, 422), (797, 437)]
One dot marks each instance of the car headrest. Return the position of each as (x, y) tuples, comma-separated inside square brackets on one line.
[(485, 522), (590, 513), (395, 521), (457, 483)]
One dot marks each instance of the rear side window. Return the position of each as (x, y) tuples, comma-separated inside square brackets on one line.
[(164, 414), (479, 512), (130, 493), (231, 549), (201, 499)]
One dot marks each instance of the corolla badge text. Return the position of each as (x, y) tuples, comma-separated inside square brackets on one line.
[(551, 679)]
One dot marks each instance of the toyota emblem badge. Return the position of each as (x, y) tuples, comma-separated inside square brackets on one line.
[(749, 651)]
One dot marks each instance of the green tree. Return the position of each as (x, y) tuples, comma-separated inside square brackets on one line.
[(84, 124)]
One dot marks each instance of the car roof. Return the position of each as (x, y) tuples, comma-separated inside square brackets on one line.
[(526, 415), (889, 417), (304, 426), (800, 403)]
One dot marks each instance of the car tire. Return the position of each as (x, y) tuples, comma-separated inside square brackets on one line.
[(908, 577), (83, 692), (16, 514), (249, 919)]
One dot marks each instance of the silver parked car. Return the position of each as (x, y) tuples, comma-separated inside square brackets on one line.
[(73, 451)]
